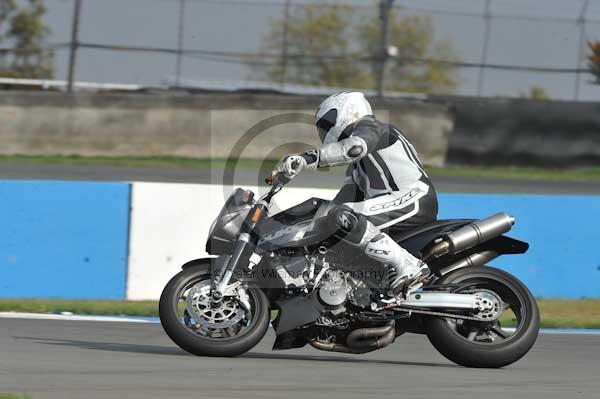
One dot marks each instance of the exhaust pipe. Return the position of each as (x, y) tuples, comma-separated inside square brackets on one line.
[(470, 235), (372, 338), (362, 340), (477, 259)]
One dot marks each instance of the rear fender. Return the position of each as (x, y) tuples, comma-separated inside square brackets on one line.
[(505, 245), (479, 255)]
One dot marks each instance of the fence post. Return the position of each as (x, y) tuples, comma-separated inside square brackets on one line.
[(180, 32), (487, 16), (74, 45), (284, 45), (580, 52), (384, 14)]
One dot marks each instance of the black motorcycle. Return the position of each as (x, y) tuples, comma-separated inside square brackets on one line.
[(326, 293)]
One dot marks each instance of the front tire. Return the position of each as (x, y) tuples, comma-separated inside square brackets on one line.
[(457, 343), (202, 341)]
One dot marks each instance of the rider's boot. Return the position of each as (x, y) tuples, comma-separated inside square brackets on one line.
[(403, 270)]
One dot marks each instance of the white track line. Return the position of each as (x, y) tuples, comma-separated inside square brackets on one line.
[(126, 319), (70, 317)]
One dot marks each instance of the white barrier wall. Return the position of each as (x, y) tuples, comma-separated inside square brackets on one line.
[(169, 226)]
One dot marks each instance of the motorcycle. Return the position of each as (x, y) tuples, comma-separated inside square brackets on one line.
[(326, 293)]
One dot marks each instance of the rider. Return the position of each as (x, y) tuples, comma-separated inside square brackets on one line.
[(386, 187)]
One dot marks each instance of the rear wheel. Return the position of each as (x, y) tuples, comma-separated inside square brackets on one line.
[(205, 329), (491, 344)]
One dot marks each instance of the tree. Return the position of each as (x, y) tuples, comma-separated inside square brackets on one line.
[(22, 28), (594, 59), (537, 93), (321, 35), (7, 8), (327, 45), (417, 65)]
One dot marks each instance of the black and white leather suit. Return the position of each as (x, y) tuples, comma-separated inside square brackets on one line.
[(386, 189), (386, 182)]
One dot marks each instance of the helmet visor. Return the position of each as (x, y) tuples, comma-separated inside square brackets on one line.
[(326, 122)]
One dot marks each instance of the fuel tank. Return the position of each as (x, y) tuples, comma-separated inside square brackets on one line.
[(295, 227)]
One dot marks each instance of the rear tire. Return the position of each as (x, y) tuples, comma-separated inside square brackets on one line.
[(200, 345), (461, 350)]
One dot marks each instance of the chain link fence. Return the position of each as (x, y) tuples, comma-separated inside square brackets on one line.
[(503, 47)]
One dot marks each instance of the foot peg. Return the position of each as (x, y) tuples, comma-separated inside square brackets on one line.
[(402, 284)]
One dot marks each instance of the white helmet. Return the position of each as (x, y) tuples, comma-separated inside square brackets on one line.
[(339, 111)]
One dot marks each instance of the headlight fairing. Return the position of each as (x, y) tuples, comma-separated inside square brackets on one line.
[(227, 225)]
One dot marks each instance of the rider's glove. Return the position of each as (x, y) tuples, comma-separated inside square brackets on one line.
[(291, 166)]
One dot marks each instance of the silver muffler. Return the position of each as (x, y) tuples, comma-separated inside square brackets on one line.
[(470, 235), (480, 231)]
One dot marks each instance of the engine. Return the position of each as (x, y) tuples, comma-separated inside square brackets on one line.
[(334, 288), (317, 290), (337, 288)]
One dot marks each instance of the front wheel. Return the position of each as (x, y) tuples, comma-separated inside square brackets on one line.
[(203, 328), (490, 344)]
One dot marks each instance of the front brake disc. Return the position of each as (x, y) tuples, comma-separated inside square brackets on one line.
[(200, 307)]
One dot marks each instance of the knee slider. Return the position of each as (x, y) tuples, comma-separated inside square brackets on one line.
[(344, 219), (350, 226)]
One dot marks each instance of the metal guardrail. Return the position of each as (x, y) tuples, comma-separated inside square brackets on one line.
[(170, 82), (46, 84)]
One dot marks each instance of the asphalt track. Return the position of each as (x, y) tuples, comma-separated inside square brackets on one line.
[(49, 359), (331, 179)]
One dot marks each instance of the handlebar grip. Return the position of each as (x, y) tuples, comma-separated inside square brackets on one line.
[(270, 179)]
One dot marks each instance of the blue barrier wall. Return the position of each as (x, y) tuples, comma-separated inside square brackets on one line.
[(63, 239), (563, 260), (70, 239)]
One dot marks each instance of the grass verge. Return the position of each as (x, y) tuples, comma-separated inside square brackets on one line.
[(12, 396), (142, 162), (577, 174), (555, 313), (85, 307)]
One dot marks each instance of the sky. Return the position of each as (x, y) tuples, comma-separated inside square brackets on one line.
[(229, 25)]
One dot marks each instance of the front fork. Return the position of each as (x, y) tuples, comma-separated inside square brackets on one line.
[(241, 255), (244, 248)]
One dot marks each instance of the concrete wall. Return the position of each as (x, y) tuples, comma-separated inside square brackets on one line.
[(461, 130), (94, 240), (63, 239), (561, 263), (162, 238), (200, 125)]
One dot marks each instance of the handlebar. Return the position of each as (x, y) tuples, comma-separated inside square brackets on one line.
[(269, 179), (279, 178), (276, 179)]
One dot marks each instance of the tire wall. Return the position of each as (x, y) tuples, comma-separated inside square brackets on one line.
[(523, 132)]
